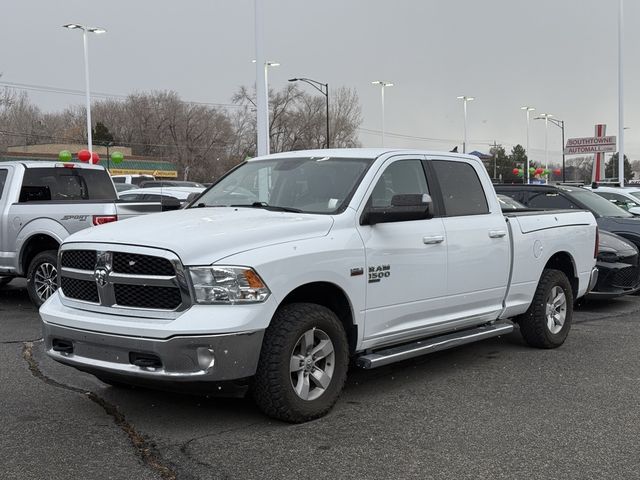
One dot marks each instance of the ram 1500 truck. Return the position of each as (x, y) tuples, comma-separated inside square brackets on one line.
[(293, 264), (41, 204)]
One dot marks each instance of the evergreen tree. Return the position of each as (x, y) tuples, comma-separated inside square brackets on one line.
[(101, 134), (611, 168)]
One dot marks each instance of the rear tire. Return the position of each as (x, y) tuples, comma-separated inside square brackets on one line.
[(547, 322), (42, 276), (303, 363)]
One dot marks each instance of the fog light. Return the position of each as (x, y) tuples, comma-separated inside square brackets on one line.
[(206, 358)]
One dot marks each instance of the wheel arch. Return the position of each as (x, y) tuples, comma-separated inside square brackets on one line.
[(332, 297), (564, 262), (34, 245)]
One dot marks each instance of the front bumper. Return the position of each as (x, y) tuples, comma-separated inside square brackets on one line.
[(621, 277), (179, 359)]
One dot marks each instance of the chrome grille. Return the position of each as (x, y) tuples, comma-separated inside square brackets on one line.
[(123, 280)]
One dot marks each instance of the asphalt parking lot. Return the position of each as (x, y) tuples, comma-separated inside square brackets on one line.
[(495, 409)]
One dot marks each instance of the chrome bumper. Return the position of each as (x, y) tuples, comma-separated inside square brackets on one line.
[(593, 279), (215, 358)]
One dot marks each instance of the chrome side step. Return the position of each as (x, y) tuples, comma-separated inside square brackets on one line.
[(433, 344)]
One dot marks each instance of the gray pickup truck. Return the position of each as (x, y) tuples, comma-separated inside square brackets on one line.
[(41, 204)]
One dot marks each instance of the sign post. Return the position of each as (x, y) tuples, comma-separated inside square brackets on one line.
[(598, 145)]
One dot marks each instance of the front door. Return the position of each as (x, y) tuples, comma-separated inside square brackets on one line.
[(406, 261)]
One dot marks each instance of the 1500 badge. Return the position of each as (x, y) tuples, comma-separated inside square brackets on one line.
[(378, 272), (80, 218)]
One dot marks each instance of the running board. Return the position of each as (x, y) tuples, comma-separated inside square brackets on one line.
[(433, 344)]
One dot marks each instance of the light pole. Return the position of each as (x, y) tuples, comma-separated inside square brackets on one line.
[(263, 113), (528, 109), (620, 98), (85, 30), (383, 85), (465, 100), (323, 88), (545, 117), (560, 125)]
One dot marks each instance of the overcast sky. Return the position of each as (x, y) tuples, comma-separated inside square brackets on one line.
[(557, 55)]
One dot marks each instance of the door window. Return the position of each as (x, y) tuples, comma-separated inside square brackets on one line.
[(3, 179), (462, 191), (400, 178), (619, 200)]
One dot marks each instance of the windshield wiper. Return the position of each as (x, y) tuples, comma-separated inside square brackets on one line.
[(266, 206)]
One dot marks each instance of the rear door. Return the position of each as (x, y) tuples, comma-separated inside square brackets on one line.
[(477, 240)]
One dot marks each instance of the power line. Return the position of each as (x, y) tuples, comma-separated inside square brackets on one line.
[(71, 91)]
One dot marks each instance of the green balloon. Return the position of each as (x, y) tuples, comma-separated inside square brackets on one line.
[(546, 171), (532, 170), (117, 157), (64, 156), (520, 173)]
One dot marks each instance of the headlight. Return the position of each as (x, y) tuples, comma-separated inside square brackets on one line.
[(228, 285)]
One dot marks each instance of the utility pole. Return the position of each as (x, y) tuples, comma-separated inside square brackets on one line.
[(495, 158)]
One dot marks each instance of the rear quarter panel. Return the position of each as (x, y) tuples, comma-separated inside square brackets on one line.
[(535, 239)]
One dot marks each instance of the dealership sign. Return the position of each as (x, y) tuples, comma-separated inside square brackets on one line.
[(586, 145)]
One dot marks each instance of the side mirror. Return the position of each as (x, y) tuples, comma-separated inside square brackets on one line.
[(170, 203), (634, 210), (192, 196), (403, 208)]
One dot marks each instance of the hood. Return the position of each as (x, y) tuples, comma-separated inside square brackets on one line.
[(632, 222), (200, 236)]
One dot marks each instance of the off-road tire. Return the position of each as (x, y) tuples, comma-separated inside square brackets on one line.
[(272, 388), (533, 324), (48, 256)]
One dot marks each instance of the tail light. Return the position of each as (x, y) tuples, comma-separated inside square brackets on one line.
[(595, 250), (102, 219)]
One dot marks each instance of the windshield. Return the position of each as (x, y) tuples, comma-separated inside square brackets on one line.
[(309, 185), (635, 194), (597, 204)]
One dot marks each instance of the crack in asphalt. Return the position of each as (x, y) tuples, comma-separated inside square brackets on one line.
[(146, 450)]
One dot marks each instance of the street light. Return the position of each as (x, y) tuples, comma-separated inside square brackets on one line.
[(545, 117), (560, 125), (528, 109), (465, 99), (383, 85), (323, 88), (85, 30), (267, 64)]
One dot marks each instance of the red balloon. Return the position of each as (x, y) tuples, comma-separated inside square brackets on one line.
[(515, 171), (557, 171), (84, 155), (95, 158), (539, 171)]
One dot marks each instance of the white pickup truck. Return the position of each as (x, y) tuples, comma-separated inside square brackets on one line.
[(292, 264)]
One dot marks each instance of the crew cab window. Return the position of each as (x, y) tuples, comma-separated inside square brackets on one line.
[(3, 179), (551, 200), (401, 177), (42, 184), (461, 189)]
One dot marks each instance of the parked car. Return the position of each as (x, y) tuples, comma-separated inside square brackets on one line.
[(168, 196), (170, 183), (123, 187), (342, 253), (41, 204), (627, 198), (135, 179), (617, 259)]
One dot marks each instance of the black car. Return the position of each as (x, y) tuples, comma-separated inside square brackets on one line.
[(617, 262)]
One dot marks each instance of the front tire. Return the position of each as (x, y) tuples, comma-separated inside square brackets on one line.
[(303, 363), (547, 322), (42, 276)]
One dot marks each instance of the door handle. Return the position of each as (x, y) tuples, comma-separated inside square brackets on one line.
[(433, 239), (497, 233)]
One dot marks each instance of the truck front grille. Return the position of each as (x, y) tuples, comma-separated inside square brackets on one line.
[(124, 280), (80, 289), (79, 259), (626, 278), (141, 264), (142, 296)]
